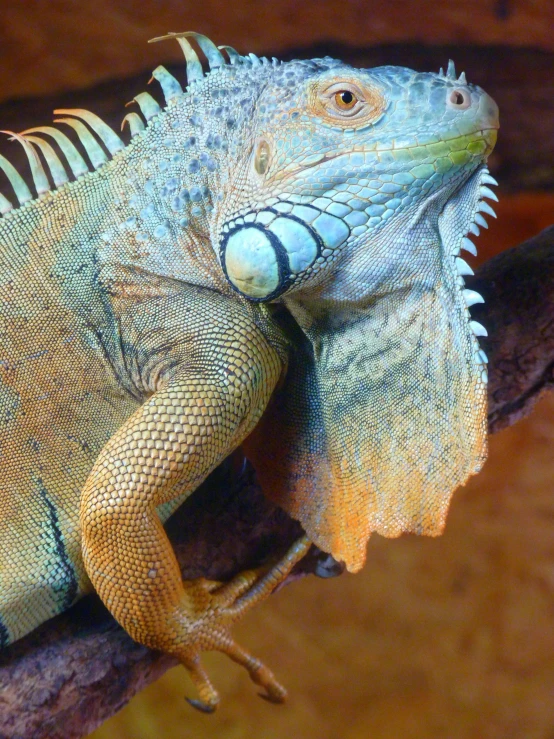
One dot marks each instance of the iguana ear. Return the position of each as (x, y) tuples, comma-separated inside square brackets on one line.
[(264, 254)]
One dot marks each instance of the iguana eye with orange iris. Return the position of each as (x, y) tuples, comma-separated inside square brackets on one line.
[(345, 99), (347, 103)]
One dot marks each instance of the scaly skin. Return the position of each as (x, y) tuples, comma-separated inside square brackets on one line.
[(138, 347)]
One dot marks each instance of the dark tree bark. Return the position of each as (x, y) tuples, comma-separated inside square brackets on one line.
[(78, 669), (518, 287)]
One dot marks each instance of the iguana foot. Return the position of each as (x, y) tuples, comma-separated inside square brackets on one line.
[(217, 607)]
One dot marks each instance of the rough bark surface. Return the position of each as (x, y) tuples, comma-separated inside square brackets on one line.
[(75, 671), (518, 287)]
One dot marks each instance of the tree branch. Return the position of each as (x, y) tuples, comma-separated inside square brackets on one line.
[(518, 287)]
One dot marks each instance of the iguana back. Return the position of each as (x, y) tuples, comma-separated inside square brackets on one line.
[(60, 401)]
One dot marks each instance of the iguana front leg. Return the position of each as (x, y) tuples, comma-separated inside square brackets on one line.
[(164, 450)]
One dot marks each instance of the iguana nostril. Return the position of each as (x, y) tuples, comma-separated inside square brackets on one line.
[(459, 99)]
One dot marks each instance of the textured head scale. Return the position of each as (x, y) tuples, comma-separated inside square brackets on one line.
[(410, 135)]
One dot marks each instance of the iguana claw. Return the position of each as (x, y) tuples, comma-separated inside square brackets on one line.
[(203, 707), (229, 601)]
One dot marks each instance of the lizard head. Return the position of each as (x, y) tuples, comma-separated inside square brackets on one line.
[(340, 161)]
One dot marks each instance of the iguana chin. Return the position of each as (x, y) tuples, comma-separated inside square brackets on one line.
[(140, 342)]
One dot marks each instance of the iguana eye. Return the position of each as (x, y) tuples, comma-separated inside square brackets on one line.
[(345, 99), (348, 103)]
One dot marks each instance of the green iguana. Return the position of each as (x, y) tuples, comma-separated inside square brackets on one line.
[(140, 342)]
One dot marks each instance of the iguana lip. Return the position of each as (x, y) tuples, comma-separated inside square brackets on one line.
[(489, 135)]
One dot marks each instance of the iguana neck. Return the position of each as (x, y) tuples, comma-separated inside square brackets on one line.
[(171, 178)]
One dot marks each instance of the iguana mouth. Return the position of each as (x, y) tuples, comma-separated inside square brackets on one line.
[(471, 141)]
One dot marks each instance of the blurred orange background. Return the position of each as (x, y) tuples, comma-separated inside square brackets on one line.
[(450, 637)]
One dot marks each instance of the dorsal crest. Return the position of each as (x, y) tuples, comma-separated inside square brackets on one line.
[(98, 141)]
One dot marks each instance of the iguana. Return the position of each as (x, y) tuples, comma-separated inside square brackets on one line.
[(284, 231)]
